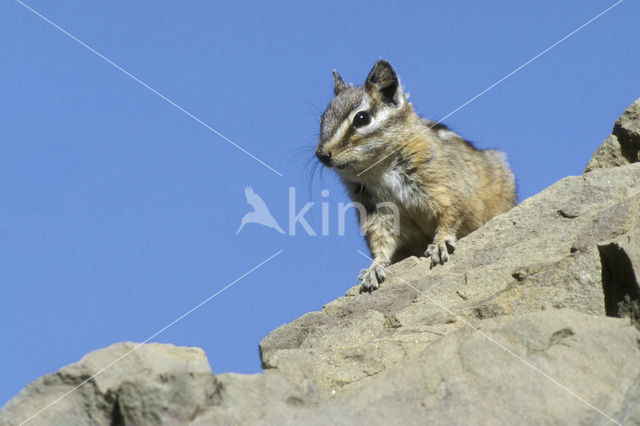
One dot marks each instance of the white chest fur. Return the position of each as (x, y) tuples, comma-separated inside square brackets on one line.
[(395, 186)]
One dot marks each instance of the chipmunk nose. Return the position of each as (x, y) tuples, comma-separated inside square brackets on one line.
[(324, 158)]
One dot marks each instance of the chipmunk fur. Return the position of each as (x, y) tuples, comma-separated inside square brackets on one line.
[(403, 168)]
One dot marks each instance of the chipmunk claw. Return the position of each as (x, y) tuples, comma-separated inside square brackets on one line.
[(439, 251), (370, 279)]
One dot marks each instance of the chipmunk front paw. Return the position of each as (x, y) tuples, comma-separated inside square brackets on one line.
[(439, 251), (369, 279)]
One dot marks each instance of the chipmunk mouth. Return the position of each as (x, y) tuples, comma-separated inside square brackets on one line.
[(343, 165), (329, 162)]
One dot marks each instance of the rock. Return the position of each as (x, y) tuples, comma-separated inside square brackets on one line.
[(545, 254), (552, 367), (255, 399), (520, 369), (149, 384), (466, 378), (622, 146)]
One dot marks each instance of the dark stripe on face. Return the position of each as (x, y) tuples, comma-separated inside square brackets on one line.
[(392, 121), (338, 111), (347, 135)]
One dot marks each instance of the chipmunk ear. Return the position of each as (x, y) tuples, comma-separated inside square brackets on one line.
[(338, 83), (382, 83)]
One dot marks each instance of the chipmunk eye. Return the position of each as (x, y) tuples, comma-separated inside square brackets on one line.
[(362, 118)]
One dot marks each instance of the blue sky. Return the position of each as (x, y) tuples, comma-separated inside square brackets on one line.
[(118, 211)]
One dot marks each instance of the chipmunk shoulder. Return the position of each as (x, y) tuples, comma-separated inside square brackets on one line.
[(421, 186)]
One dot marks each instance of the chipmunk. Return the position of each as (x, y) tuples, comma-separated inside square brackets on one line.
[(404, 168)]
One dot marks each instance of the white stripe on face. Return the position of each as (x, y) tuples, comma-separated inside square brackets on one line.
[(377, 120), (338, 135)]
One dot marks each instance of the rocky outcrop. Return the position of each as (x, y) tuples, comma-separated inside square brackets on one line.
[(148, 384), (553, 251), (533, 320), (468, 376), (622, 146)]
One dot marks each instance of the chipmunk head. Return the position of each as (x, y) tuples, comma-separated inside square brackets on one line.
[(360, 124)]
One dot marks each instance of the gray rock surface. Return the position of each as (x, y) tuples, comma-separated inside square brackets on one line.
[(152, 384), (622, 146), (545, 254), (534, 320), (465, 378)]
